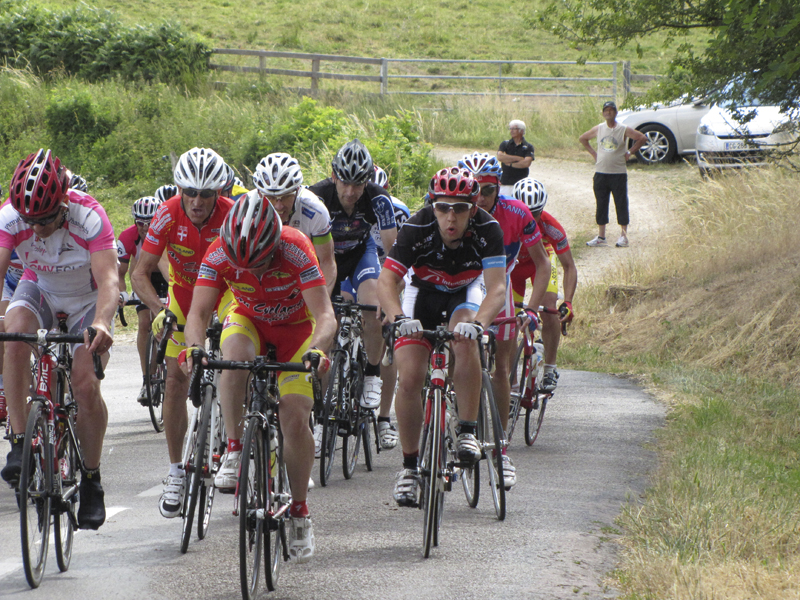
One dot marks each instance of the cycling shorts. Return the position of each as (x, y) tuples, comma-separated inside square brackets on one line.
[(291, 342), (434, 307), (80, 309), (161, 286), (357, 268), (225, 305), (522, 273)]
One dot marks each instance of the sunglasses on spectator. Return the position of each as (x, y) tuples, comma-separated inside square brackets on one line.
[(193, 193), (488, 190), (458, 208), (43, 221), (142, 222)]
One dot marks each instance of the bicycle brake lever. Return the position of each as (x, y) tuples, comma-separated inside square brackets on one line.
[(98, 364)]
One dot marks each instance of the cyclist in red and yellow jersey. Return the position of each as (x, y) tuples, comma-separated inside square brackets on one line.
[(184, 226)]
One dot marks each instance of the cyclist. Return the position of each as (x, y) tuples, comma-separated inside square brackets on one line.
[(184, 226), (355, 204), (519, 231), (449, 244), (129, 244), (234, 188), (534, 195), (281, 300), (165, 192), (76, 182), (279, 179), (66, 244)]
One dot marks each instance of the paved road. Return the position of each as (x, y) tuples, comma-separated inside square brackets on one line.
[(556, 542)]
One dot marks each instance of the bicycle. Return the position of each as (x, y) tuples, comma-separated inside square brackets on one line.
[(205, 440), (525, 379), (263, 496), (342, 414), (51, 456)]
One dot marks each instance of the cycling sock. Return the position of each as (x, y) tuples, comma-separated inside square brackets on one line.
[(467, 427), (549, 368), (299, 509), (372, 370), (234, 445), (384, 420), (176, 470), (410, 460)]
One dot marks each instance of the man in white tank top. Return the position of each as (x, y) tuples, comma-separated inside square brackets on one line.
[(611, 171)]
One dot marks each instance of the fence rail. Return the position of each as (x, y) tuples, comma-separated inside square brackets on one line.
[(400, 71)]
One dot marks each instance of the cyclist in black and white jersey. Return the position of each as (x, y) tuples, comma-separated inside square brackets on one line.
[(356, 204), (279, 179)]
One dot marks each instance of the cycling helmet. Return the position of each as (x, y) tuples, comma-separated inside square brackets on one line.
[(380, 177), (145, 208), (353, 163), (39, 184), (250, 233), (531, 192), (77, 182), (482, 165), (165, 192), (277, 174), (454, 181), (201, 169), (239, 182)]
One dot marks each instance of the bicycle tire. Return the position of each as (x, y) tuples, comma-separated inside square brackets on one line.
[(430, 474), (65, 517), (330, 414), (519, 378), (252, 506), (155, 382), (35, 485), (275, 528), (471, 476), (351, 446), (217, 443), (351, 441), (365, 441), (495, 435), (533, 419), (195, 467)]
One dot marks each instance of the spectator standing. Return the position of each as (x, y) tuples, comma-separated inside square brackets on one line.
[(516, 155), (611, 170)]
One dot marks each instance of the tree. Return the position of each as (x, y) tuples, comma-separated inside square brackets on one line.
[(753, 44)]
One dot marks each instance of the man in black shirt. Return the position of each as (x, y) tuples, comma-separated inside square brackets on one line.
[(516, 155)]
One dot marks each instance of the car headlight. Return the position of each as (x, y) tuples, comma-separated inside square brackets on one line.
[(705, 130)]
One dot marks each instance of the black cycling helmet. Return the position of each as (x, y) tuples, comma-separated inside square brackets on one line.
[(353, 163)]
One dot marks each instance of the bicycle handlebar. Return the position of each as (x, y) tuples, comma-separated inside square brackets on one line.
[(170, 320), (57, 337), (340, 303)]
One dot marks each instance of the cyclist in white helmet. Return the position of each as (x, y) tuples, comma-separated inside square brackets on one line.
[(279, 179), (129, 244)]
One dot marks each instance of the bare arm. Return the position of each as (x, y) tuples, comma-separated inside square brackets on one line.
[(140, 281), (5, 259), (104, 272), (495, 281), (638, 140), (327, 262), (584, 139), (542, 278), (204, 299), (388, 295), (163, 266), (319, 303), (122, 270), (570, 275), (388, 236)]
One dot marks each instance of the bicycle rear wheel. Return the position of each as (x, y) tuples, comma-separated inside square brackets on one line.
[(351, 442), (36, 481), (64, 516), (155, 380), (195, 472), (534, 417), (217, 443), (275, 527), (431, 474), (366, 424), (330, 418), (519, 387), (252, 507), (494, 435)]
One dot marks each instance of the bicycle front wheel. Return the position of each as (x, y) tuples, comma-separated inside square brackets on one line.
[(534, 417), (471, 476), (368, 423), (330, 418), (431, 474), (275, 526), (494, 435), (252, 507), (64, 517), (520, 383), (36, 481), (351, 442), (155, 380), (196, 467)]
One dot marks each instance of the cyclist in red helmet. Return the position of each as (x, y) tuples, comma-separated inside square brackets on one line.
[(66, 244), (281, 300), (449, 244)]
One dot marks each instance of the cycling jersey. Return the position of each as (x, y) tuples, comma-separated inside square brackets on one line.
[(128, 244), (60, 264), (401, 215), (186, 244), (351, 232), (13, 275), (276, 297), (309, 215), (519, 228), (553, 236), (419, 245)]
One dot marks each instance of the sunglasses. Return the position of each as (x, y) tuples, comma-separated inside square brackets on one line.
[(193, 193), (43, 221), (458, 208), (142, 223), (488, 190), (290, 197)]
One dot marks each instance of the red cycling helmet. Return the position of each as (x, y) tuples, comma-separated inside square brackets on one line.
[(250, 233), (455, 182), (39, 184)]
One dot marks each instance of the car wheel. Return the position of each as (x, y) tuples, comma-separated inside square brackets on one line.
[(660, 146)]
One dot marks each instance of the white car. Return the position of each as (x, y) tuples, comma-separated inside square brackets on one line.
[(670, 128), (724, 143)]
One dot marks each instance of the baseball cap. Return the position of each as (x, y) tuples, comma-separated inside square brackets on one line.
[(610, 104)]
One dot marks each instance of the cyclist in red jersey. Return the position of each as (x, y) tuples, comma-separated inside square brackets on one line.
[(534, 195), (184, 226), (281, 300)]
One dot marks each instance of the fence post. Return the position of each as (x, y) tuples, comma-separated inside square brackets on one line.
[(314, 76), (626, 77), (384, 77), (500, 80)]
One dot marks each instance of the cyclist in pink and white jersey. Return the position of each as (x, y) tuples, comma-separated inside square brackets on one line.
[(66, 244), (519, 231)]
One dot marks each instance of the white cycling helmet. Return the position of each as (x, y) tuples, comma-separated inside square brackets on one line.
[(201, 169), (165, 192), (380, 177), (531, 192), (145, 208), (277, 174)]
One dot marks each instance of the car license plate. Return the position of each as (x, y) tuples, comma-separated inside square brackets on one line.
[(735, 145)]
